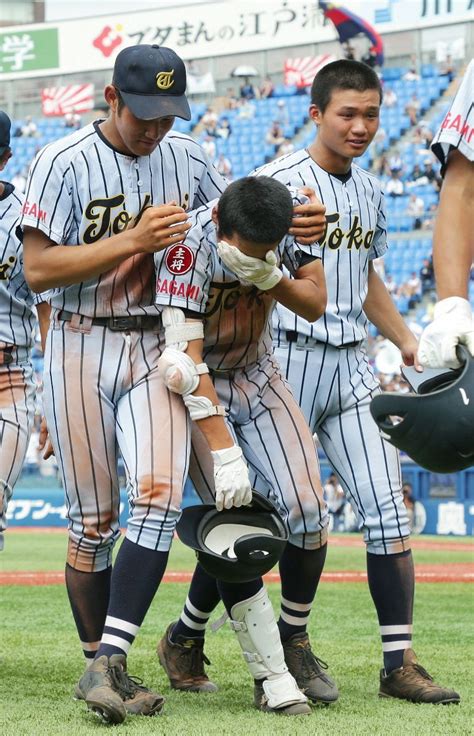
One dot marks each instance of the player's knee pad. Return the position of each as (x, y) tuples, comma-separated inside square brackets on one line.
[(254, 623)]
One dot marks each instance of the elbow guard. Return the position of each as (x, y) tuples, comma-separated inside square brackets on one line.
[(179, 372)]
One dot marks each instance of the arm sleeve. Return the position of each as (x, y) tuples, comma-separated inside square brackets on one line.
[(184, 271), (379, 243), (456, 130), (49, 206)]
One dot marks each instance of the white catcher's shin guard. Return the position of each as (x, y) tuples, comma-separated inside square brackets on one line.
[(254, 622)]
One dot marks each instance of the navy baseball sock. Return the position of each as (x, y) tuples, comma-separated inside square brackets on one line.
[(392, 587), (136, 576), (232, 593), (89, 599), (203, 597), (300, 571)]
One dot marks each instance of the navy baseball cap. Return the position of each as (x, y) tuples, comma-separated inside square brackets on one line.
[(152, 82), (5, 125)]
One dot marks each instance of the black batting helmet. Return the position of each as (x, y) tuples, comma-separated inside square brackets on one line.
[(437, 423), (238, 544)]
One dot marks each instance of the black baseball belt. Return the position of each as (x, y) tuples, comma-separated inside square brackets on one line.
[(117, 324), (309, 342)]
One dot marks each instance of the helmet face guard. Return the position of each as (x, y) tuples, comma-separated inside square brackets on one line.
[(437, 423), (235, 545)]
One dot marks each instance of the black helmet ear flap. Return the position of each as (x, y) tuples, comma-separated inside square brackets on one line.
[(436, 427)]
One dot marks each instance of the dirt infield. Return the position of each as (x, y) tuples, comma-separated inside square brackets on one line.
[(448, 573), (455, 573)]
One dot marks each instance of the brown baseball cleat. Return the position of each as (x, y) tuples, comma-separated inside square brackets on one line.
[(184, 662), (309, 671), (261, 702), (412, 682), (137, 699)]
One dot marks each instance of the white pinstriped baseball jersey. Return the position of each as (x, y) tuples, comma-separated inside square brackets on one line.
[(355, 234), (190, 275), (16, 299), (81, 190), (457, 128)]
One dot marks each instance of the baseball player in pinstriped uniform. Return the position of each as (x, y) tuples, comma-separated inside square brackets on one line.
[(17, 386), (453, 144), (326, 362), (103, 188), (263, 415), (243, 227)]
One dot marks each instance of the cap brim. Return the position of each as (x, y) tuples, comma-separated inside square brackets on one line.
[(150, 107)]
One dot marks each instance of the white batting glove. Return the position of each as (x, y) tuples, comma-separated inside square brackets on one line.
[(231, 478), (452, 324), (264, 274)]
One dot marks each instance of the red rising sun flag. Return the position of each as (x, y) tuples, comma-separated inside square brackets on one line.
[(72, 98), (349, 24), (302, 70)]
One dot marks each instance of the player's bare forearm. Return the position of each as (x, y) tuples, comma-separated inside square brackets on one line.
[(382, 312), (309, 220), (453, 237), (306, 294), (49, 265), (214, 428), (44, 311)]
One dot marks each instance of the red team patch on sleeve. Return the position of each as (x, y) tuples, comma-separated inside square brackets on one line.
[(179, 259)]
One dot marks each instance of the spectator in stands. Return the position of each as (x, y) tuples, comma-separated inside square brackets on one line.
[(448, 68), (395, 161), (267, 88), (224, 128), (427, 276), (247, 110), (224, 166), (72, 120), (412, 74), (209, 145), (390, 284), (247, 90), (412, 290), (389, 97), (209, 117), (285, 148), (412, 108), (416, 209), (29, 129), (275, 135), (335, 499), (231, 100), (370, 57), (430, 174), (282, 115), (395, 186), (382, 166), (422, 135)]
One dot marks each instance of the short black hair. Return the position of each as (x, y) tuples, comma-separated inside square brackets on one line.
[(342, 74), (257, 208)]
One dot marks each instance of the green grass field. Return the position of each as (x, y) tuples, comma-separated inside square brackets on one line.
[(40, 658)]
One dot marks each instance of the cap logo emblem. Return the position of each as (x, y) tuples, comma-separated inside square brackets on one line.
[(164, 80)]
